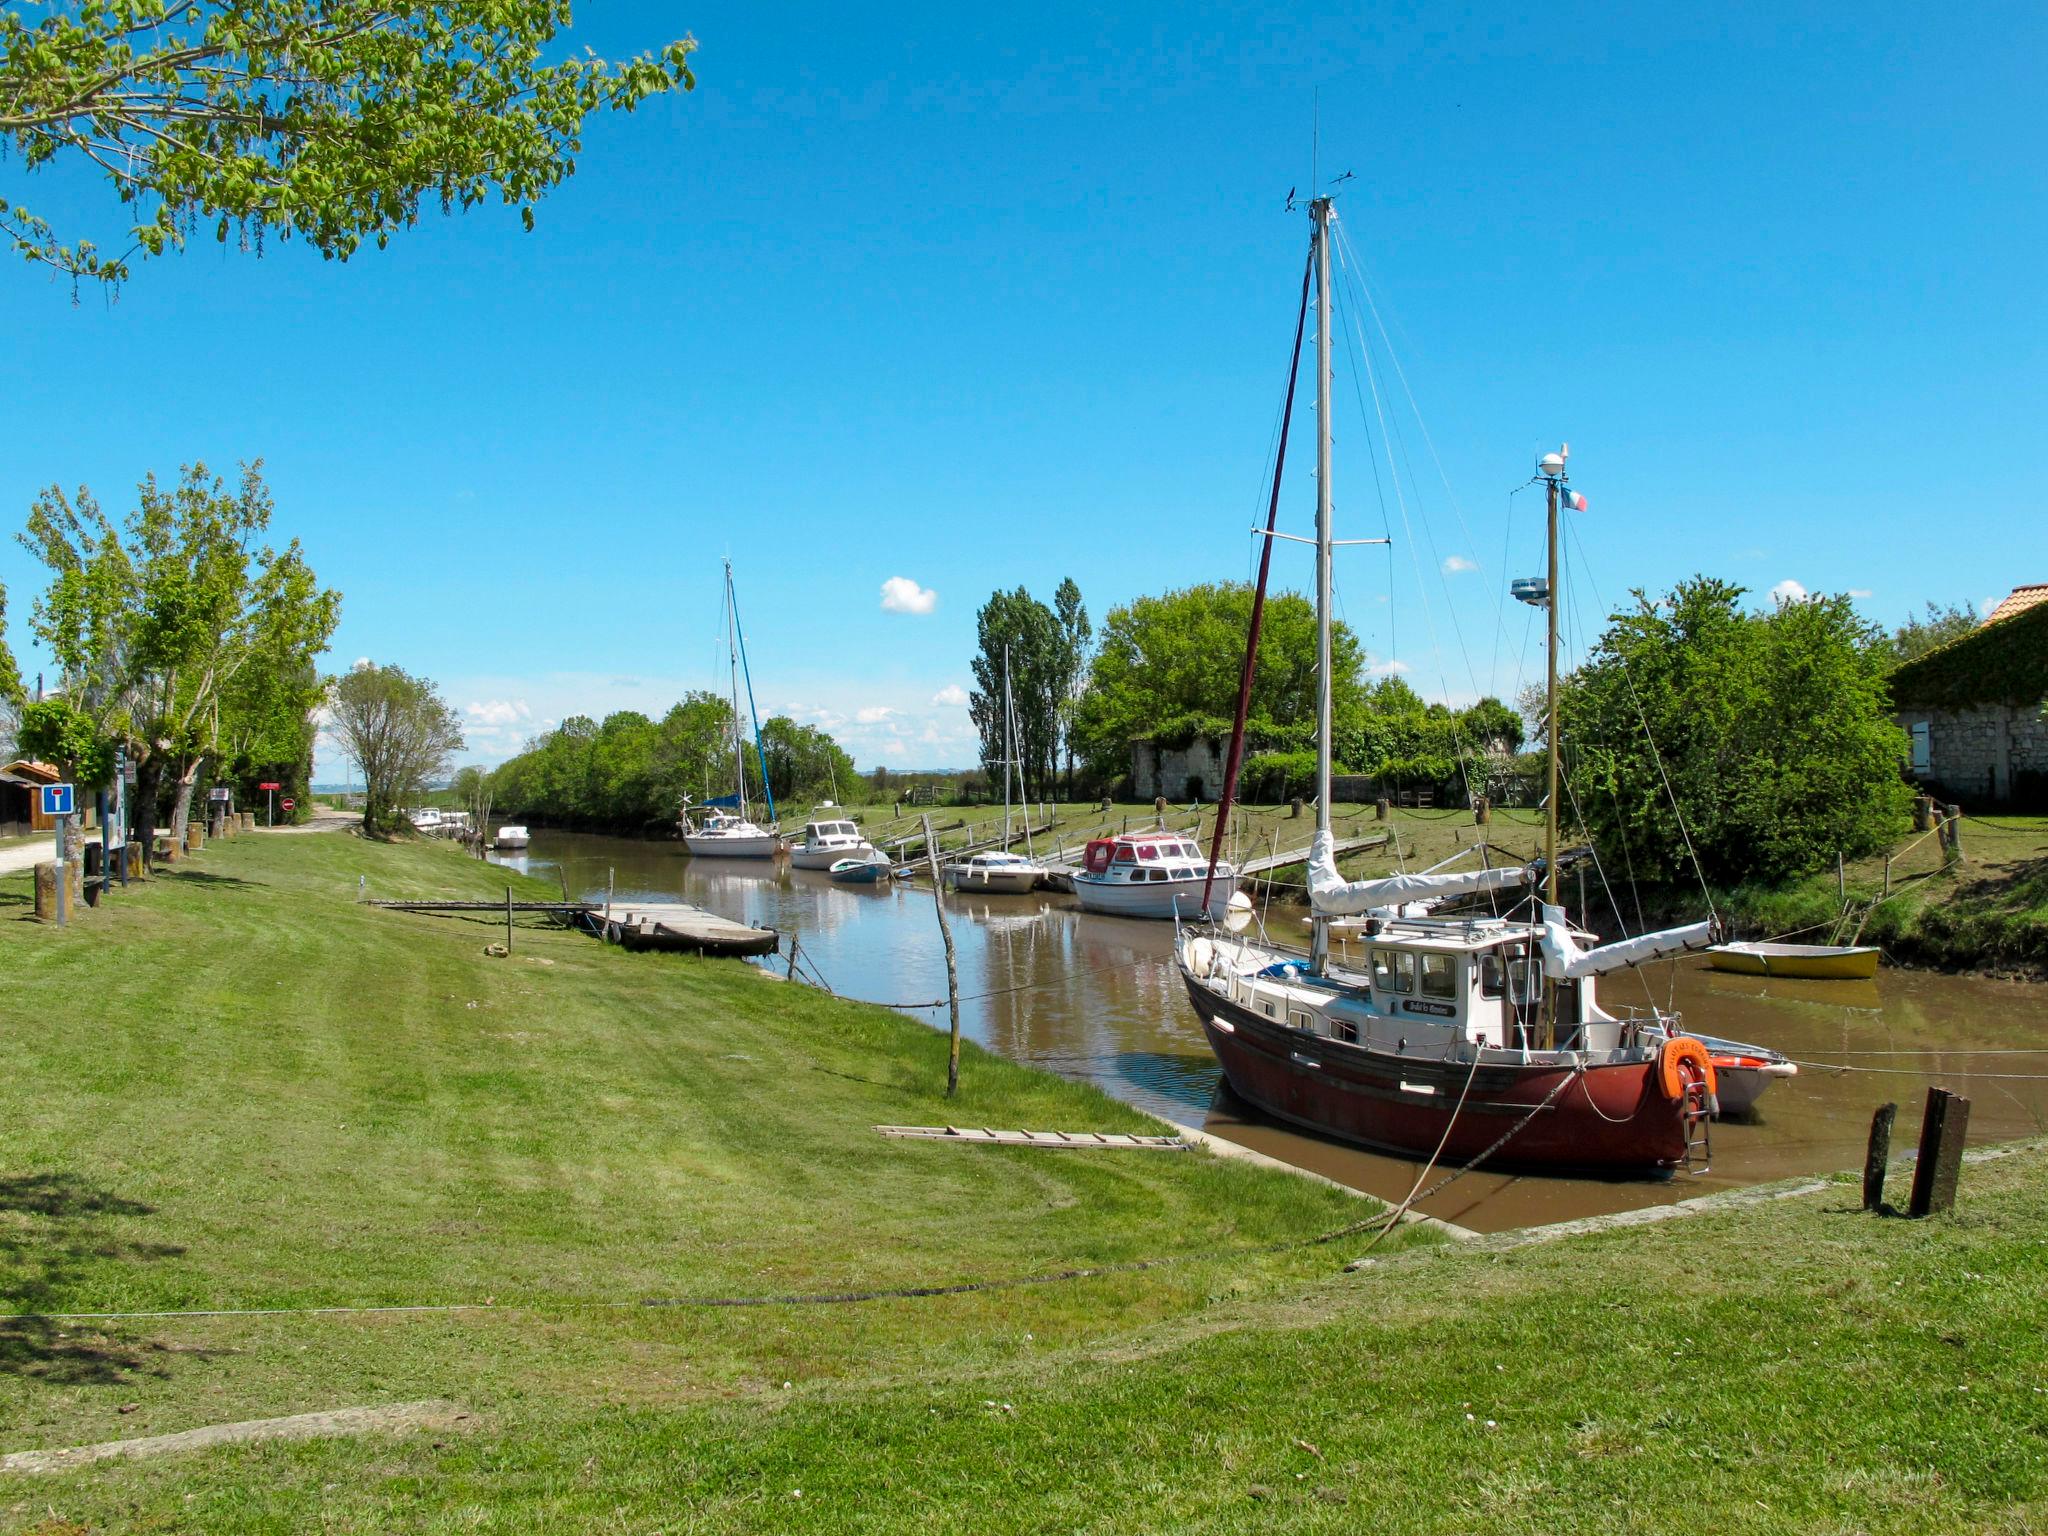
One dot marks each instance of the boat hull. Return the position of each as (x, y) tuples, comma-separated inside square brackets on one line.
[(999, 882), (1161, 899), (762, 847), (506, 844), (801, 857), (1796, 962), (1615, 1120), (857, 872)]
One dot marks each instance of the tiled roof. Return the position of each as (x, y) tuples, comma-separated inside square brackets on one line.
[(2019, 600)]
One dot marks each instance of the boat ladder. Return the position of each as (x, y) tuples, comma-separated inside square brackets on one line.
[(1699, 1122)]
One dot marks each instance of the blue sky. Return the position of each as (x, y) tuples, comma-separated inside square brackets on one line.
[(971, 301)]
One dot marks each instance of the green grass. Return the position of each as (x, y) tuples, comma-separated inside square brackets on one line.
[(237, 1088)]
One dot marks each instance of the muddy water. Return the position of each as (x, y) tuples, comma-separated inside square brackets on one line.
[(1098, 998)]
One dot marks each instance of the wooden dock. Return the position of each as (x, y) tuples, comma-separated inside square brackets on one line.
[(670, 925), (676, 925)]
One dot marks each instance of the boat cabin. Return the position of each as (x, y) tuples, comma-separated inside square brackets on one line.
[(1480, 980), (825, 834), (1143, 857)]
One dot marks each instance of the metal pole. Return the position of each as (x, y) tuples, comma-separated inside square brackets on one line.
[(270, 808), (106, 845), (1319, 931), (63, 875), (1550, 731)]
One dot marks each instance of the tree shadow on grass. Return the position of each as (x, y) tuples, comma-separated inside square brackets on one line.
[(52, 1225), (204, 877)]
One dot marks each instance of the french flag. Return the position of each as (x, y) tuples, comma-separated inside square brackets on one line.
[(1573, 500)]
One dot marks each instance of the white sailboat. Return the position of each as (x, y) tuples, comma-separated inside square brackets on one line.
[(723, 830), (1000, 872)]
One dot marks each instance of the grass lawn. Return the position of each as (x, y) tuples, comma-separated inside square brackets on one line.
[(236, 1089)]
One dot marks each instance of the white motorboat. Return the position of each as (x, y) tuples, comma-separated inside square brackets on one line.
[(721, 835), (1152, 874), (825, 843), (995, 874), (511, 837)]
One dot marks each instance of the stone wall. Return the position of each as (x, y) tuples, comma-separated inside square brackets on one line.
[(1992, 755), (1192, 772)]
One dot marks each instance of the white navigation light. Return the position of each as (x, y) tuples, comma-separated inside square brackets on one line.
[(1551, 464)]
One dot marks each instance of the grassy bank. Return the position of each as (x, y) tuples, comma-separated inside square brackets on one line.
[(236, 1088)]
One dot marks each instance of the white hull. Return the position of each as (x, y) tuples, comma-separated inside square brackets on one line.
[(1154, 898), (710, 846), (993, 882), (824, 858), (517, 840)]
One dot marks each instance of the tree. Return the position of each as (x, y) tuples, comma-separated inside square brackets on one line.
[(398, 730), (165, 627), (1916, 637), (1075, 634), (1772, 731), (804, 763), (1168, 668), (325, 120), (1019, 624)]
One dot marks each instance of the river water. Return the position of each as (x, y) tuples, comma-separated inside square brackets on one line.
[(1098, 998)]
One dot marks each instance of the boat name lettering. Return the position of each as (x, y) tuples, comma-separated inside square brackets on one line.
[(1439, 1010)]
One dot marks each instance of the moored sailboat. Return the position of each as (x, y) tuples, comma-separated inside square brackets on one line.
[(723, 829), (1460, 1038)]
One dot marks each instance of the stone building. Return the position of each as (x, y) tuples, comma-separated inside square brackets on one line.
[(1192, 772), (1973, 708)]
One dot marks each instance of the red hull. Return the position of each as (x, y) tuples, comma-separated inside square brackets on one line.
[(1615, 1119)]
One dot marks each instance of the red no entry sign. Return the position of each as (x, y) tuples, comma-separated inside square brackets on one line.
[(286, 803)]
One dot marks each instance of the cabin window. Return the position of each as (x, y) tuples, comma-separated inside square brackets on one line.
[(1439, 979), (1343, 1029), (1125, 856), (1393, 970), (1148, 852), (1492, 975)]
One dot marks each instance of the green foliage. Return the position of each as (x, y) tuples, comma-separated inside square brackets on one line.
[(632, 772), (326, 121), (1169, 661), (2001, 663), (10, 675), (1043, 653), (178, 632), (1773, 728), (1270, 777), (1916, 637), (54, 732), (399, 731)]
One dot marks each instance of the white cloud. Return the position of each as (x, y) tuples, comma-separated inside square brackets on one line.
[(495, 712), (1388, 668), (1986, 604), (1788, 591), (1458, 563), (1859, 592), (952, 696), (361, 664), (902, 595), (873, 714)]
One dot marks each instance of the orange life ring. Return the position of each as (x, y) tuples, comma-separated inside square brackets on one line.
[(1670, 1074)]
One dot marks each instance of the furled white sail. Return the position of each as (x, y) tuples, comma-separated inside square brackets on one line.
[(1563, 958), (1333, 896)]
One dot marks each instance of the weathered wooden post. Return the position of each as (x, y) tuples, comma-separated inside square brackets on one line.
[(1294, 808), (46, 891), (1381, 809), (1877, 1155), (1955, 832), (508, 920), (1482, 811), (1942, 1130), (1923, 813), (1841, 879), (931, 855), (610, 876)]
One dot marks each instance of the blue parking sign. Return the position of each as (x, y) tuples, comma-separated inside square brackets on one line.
[(57, 800)]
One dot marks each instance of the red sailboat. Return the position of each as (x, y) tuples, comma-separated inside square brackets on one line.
[(1462, 1039)]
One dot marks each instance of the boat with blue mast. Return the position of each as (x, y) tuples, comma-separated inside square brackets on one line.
[(723, 829)]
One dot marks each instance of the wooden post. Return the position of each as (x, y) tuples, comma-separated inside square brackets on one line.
[(610, 874), (1887, 875), (1877, 1155), (1482, 811), (1841, 880), (1942, 1131), (931, 854), (1380, 808), (1294, 808), (508, 919), (1923, 813), (1955, 832), (794, 943)]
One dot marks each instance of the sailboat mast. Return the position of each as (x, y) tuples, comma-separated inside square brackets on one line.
[(732, 652), (1009, 746), (1550, 710), (1319, 213)]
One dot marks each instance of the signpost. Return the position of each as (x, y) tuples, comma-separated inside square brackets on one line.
[(58, 802), (270, 789), (114, 830)]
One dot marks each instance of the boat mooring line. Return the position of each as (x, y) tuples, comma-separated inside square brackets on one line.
[(1981, 1077)]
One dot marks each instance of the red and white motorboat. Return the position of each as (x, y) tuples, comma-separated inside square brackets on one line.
[(1152, 874)]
